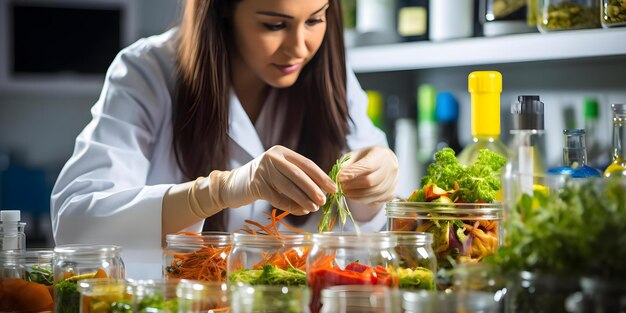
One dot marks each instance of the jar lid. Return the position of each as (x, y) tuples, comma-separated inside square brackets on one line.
[(445, 211), (354, 240), (164, 287), (286, 238), (202, 238), (618, 108)]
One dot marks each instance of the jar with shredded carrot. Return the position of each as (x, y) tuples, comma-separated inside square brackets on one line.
[(276, 259), (197, 256)]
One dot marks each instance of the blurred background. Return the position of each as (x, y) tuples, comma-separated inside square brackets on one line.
[(411, 56)]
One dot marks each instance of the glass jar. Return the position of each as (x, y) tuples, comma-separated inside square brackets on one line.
[(199, 256), (202, 296), (104, 295), (269, 260), (432, 302), (350, 259), (613, 13), (462, 232), (501, 17), (534, 292), (26, 281), (155, 295), (269, 299), (359, 299), (568, 14), (417, 263), (73, 263), (12, 236)]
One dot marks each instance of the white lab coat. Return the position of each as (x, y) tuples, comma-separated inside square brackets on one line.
[(111, 189)]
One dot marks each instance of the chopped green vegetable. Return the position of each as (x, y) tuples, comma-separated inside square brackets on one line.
[(156, 303), (67, 297), (417, 278), (270, 275), (122, 306), (41, 275), (336, 205), (479, 182)]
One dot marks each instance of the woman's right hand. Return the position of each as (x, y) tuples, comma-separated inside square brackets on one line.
[(284, 178)]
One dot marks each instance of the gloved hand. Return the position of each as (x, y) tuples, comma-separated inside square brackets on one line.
[(286, 179), (370, 176)]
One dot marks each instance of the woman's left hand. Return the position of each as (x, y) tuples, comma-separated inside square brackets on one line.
[(370, 176)]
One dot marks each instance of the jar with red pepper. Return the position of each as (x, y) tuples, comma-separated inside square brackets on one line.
[(339, 259)]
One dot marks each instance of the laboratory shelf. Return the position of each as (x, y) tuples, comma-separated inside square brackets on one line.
[(534, 47)]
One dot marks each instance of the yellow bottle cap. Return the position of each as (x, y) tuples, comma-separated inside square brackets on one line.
[(485, 88)]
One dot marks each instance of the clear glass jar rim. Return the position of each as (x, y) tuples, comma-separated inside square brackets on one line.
[(208, 237), (330, 239), (286, 238), (411, 237), (46, 254), (116, 285), (434, 210), (83, 250)]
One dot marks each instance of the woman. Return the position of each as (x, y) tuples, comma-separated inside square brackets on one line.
[(245, 107)]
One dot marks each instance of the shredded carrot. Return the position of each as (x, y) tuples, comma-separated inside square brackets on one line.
[(206, 264), (294, 257)]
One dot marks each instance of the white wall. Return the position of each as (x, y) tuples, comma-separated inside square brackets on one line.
[(38, 128)]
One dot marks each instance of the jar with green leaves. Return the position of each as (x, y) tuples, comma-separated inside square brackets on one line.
[(568, 14), (613, 13)]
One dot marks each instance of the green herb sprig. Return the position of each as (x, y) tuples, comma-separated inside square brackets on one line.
[(336, 205)]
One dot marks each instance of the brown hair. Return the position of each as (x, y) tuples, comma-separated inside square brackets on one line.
[(201, 103)]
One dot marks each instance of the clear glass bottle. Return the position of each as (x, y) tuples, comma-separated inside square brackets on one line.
[(12, 236), (618, 166), (350, 259), (485, 88), (613, 13), (202, 296), (568, 14), (104, 295), (359, 299), (183, 252), (417, 263), (26, 279), (525, 165), (73, 263), (575, 156), (283, 258)]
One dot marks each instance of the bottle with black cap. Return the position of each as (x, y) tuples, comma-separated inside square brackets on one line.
[(525, 169)]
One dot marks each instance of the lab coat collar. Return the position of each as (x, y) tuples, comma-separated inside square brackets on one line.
[(241, 130)]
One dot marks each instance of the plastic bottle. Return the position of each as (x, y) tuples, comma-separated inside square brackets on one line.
[(426, 124), (618, 166), (12, 231), (597, 155), (575, 156), (484, 88), (524, 168), (447, 115)]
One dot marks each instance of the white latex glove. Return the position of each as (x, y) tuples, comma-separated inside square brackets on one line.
[(286, 179), (370, 176)]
